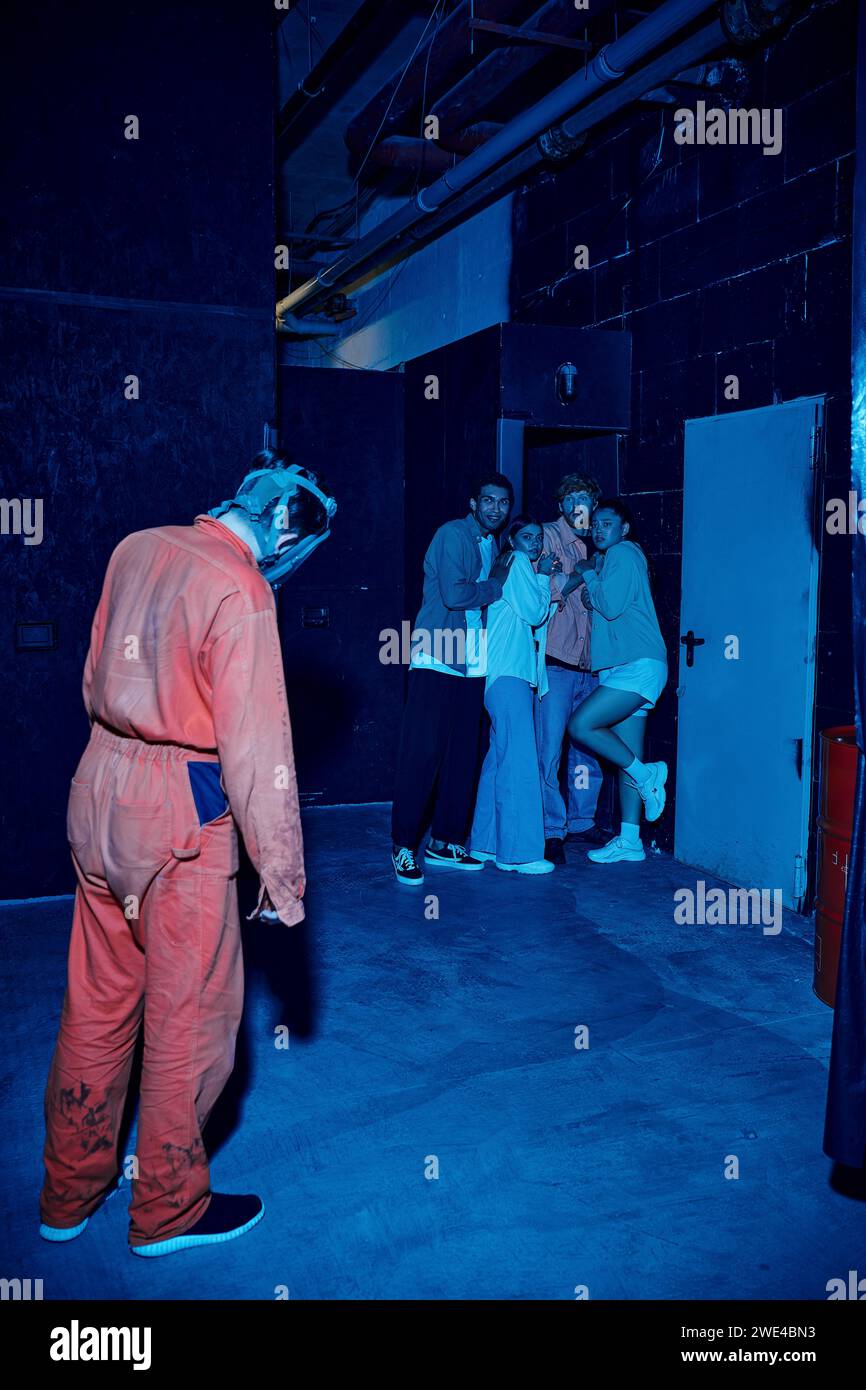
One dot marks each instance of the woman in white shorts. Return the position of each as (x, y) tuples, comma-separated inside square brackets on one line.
[(630, 659)]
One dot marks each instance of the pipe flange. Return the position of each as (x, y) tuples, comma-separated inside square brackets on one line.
[(747, 22), (556, 144), (604, 70)]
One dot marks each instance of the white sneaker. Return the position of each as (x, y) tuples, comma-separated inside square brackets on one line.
[(616, 849), (652, 792), (531, 866)]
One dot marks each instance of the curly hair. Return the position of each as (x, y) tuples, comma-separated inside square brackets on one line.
[(577, 482)]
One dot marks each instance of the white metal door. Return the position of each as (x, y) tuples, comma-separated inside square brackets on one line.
[(750, 572)]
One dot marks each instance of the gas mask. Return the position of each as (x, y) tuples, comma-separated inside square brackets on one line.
[(264, 497)]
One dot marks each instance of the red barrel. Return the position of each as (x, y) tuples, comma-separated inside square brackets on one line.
[(835, 827)]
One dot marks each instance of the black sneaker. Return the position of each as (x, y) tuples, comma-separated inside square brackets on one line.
[(591, 836), (405, 865), (554, 852), (452, 857), (226, 1218)]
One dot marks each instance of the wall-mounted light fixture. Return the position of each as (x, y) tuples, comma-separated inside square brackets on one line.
[(566, 382)]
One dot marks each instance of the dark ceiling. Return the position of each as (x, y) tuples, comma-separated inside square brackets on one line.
[(352, 134)]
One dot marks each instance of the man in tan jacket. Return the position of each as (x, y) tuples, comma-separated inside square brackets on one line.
[(190, 738)]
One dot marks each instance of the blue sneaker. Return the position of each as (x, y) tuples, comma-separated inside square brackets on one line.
[(226, 1218), (62, 1233), (59, 1233)]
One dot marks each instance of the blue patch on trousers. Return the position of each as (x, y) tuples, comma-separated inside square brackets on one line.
[(210, 799)]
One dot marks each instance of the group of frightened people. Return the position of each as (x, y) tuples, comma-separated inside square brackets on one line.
[(184, 688), (554, 643)]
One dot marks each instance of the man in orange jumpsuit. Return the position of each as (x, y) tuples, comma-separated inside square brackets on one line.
[(190, 736)]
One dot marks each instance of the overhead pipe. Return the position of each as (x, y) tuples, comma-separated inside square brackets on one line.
[(339, 64), (608, 65), (309, 328), (741, 22), (671, 63), (408, 152), (428, 157), (472, 94), (444, 53), (470, 137), (457, 107)]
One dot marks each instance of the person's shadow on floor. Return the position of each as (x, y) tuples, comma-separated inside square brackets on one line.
[(278, 981), (849, 1182)]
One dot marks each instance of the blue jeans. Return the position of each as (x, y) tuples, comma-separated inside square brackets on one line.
[(508, 816), (569, 687)]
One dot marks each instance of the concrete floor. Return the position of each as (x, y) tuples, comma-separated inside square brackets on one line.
[(455, 1038)]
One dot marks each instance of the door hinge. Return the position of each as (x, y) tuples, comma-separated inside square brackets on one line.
[(799, 878), (817, 459)]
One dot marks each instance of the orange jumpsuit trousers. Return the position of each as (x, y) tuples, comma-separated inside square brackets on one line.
[(155, 940)]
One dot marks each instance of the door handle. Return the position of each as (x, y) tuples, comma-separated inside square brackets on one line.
[(690, 641)]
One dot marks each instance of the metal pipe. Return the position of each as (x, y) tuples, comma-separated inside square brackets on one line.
[(470, 137), (308, 328), (445, 52), (455, 108), (428, 157), (406, 152), (610, 63), (340, 61), (692, 50), (742, 23)]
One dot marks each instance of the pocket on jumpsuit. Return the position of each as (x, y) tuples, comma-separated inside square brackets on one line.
[(214, 820), (137, 846), (80, 829)]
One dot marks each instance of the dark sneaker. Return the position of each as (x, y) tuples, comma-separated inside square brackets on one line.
[(554, 852), (591, 836), (451, 857), (226, 1218), (405, 865)]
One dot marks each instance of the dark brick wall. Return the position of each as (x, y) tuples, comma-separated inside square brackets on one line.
[(717, 260), (152, 258)]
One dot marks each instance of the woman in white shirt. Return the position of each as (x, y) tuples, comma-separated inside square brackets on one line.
[(508, 826)]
